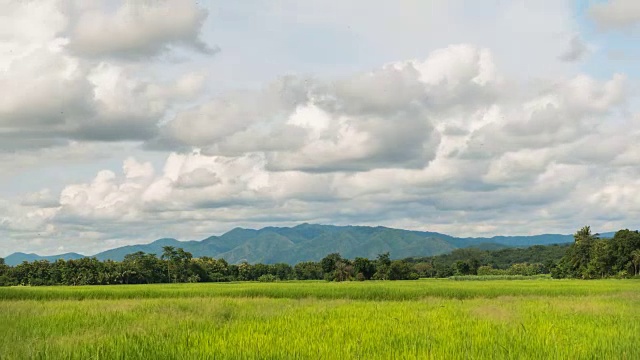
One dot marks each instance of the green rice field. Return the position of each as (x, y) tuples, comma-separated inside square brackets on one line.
[(425, 319)]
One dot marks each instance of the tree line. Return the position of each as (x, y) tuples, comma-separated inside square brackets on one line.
[(176, 265), (533, 260), (590, 257), (587, 257)]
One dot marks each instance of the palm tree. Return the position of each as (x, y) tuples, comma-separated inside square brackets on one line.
[(342, 271), (169, 253), (581, 249)]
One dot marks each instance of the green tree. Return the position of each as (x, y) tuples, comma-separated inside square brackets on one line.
[(383, 264), (343, 271), (142, 268), (623, 244), (461, 267), (178, 263), (635, 260), (364, 266), (580, 254), (215, 270), (169, 254), (425, 269), (399, 270), (600, 261), (308, 270), (282, 271), (384, 259), (328, 263), (244, 271)]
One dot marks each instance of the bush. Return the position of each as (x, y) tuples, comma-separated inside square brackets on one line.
[(5, 281), (621, 275), (267, 278), (489, 270)]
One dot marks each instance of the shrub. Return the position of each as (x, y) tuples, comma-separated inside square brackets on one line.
[(267, 278)]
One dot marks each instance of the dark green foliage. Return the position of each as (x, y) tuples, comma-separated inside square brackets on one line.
[(474, 261), (328, 263), (383, 265), (365, 267), (461, 267), (308, 270), (343, 271), (400, 270), (590, 257), (5, 280), (178, 266)]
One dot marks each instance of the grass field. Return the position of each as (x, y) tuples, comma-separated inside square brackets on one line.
[(426, 319)]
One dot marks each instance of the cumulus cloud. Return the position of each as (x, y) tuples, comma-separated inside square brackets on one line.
[(576, 50), (450, 141), (57, 97), (136, 29), (614, 14), (382, 118), (43, 198), (567, 112)]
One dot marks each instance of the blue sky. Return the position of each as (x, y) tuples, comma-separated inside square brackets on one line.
[(616, 50), (464, 117)]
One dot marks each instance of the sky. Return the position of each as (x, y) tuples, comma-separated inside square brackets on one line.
[(126, 121)]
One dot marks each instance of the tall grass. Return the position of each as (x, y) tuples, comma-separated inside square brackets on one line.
[(499, 277), (367, 290), (433, 319)]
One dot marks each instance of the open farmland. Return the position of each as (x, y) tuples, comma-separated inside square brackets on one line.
[(559, 319)]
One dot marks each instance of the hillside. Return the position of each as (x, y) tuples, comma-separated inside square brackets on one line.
[(17, 258), (312, 242)]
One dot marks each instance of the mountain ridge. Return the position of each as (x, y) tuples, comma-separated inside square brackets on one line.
[(311, 242)]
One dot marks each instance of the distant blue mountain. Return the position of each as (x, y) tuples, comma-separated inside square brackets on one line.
[(17, 258), (312, 242)]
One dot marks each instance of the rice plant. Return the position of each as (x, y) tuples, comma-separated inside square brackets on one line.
[(427, 319)]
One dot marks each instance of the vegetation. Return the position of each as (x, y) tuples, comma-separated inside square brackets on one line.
[(589, 257), (309, 242), (426, 319), (349, 315), (533, 260), (179, 266)]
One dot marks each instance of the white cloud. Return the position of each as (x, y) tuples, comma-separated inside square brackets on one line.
[(615, 13), (56, 97), (568, 111), (501, 137), (381, 118), (43, 198), (577, 50), (136, 29)]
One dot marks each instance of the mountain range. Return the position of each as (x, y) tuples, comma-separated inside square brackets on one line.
[(307, 242)]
